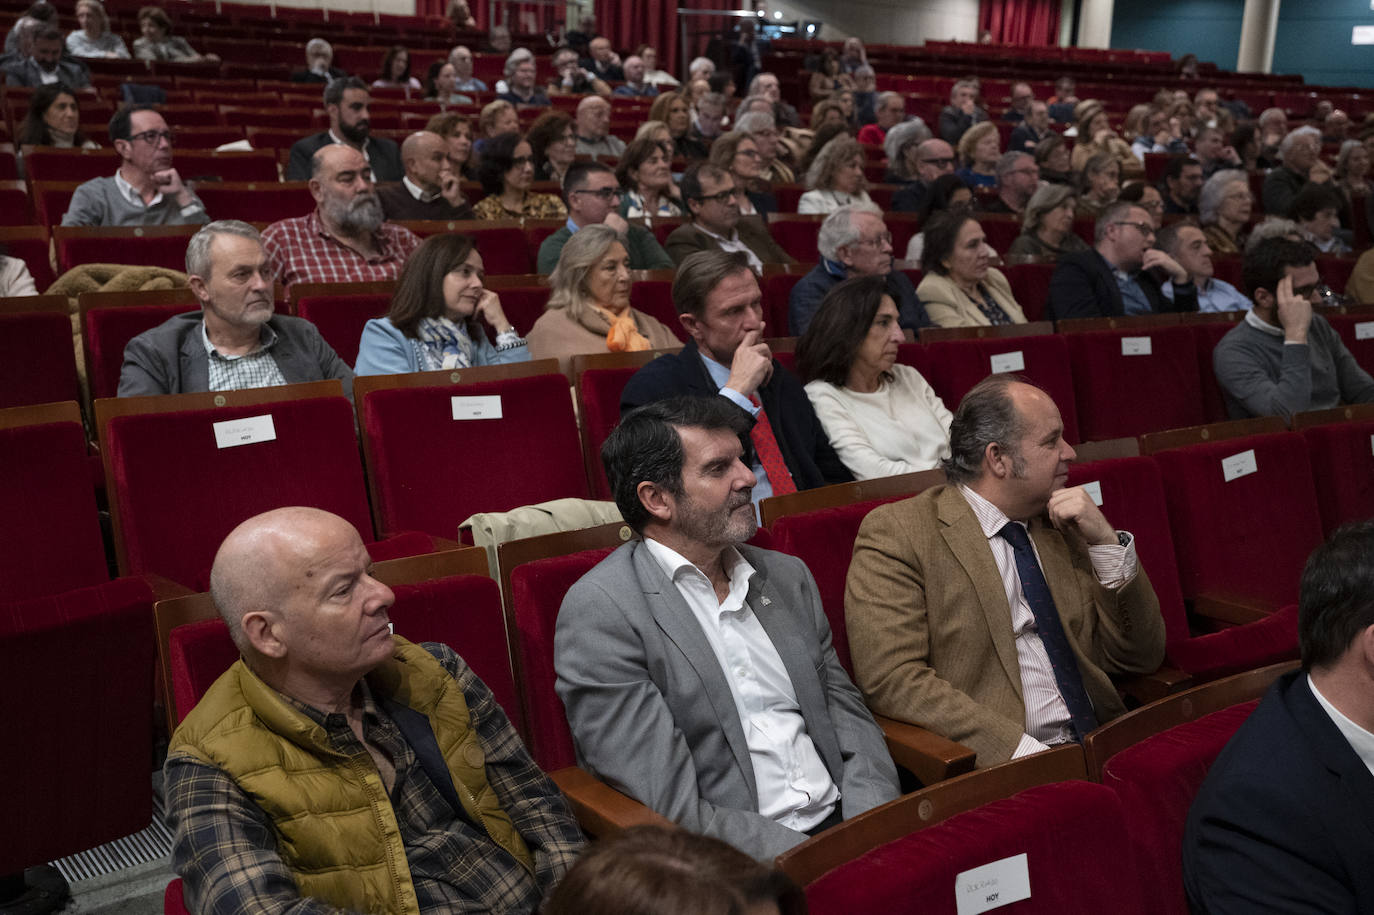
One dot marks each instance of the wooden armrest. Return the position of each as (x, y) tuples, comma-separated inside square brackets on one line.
[(1229, 610), (600, 809), (1146, 688), (925, 754), (164, 588)]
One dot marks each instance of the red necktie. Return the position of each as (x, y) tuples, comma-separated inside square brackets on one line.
[(770, 455)]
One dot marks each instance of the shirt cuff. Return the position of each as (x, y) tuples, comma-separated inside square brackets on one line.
[(1114, 564), (739, 400), (509, 339), (1028, 746), (195, 206)]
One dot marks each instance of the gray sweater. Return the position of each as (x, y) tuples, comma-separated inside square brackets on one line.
[(1263, 376), (99, 203)]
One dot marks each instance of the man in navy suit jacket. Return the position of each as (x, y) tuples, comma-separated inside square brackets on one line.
[(1285, 820)]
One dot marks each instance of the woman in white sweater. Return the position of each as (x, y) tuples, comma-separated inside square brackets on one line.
[(882, 418)]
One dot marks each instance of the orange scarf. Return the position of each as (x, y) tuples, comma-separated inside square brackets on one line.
[(624, 336)]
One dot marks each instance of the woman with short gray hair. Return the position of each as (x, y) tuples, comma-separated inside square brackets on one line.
[(900, 146), (1224, 206), (1047, 228)]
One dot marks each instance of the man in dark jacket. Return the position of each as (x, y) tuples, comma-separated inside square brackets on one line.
[(346, 102), (720, 305)]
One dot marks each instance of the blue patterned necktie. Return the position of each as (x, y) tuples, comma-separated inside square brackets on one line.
[(1051, 630)]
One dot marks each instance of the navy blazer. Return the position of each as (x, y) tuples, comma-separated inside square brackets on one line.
[(382, 154), (1084, 286), (1285, 820), (802, 440)]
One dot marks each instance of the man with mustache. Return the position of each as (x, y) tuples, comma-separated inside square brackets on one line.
[(235, 341), (710, 658), (346, 239)]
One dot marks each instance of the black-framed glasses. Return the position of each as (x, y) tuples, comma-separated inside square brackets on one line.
[(606, 194), (1144, 228), (1318, 287), (153, 137), (722, 197)]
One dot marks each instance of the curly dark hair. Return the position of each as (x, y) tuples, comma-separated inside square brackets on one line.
[(546, 130), (498, 156)]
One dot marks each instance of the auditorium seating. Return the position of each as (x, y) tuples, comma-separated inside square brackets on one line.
[(110, 320), (341, 310), (598, 380), (1339, 447), (150, 246), (37, 360)]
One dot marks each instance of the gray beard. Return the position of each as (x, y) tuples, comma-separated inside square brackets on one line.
[(362, 214)]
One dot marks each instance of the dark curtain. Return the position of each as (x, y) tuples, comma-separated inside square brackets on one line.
[(1020, 22), (630, 23)]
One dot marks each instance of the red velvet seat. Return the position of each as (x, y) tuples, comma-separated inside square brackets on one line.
[(796, 234), (1000, 229), (1248, 538), (14, 204), (206, 138), (50, 199), (1156, 781), (1206, 336), (957, 365), (1121, 395), (172, 901), (1335, 271), (654, 297), (1073, 834), (37, 359), (150, 246), (341, 318), (255, 165), (429, 472), (175, 495), (522, 304), (108, 330), (777, 293), (1357, 333), (1030, 286), (502, 244), (48, 163), (1343, 471), (256, 201), (598, 398)]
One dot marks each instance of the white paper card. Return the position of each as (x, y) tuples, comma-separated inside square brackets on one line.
[(1371, 438), (484, 407), (1238, 465), (1363, 34), (1014, 361), (992, 886), (1094, 490), (245, 431), (1135, 346), (1364, 330)]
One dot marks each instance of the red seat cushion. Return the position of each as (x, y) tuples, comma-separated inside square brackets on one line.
[(341, 318), (37, 359), (1164, 391), (655, 299), (1343, 471), (599, 393), (109, 330)]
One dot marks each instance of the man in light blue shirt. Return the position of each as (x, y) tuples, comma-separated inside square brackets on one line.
[(1186, 244)]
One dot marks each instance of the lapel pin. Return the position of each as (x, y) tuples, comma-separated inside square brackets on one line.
[(765, 601)]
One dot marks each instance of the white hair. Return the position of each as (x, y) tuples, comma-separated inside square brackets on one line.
[(1293, 136), (839, 229), (517, 57), (701, 63)]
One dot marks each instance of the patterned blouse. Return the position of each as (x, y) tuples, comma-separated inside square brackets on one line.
[(535, 206)]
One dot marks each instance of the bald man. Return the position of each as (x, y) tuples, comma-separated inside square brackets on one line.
[(594, 129), (429, 189), (338, 767)]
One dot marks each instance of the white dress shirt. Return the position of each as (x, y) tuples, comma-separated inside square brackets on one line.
[(1047, 715), (1361, 741), (794, 787)]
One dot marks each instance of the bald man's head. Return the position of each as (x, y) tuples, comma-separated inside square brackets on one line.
[(593, 117), (425, 157)]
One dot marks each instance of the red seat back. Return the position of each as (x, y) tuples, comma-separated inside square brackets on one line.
[(430, 473), (29, 244), (957, 365), (504, 249), (109, 330), (796, 234), (14, 205), (37, 359), (153, 246), (1030, 286), (176, 494), (340, 318), (523, 305), (1343, 471), (599, 394), (48, 163), (203, 165), (1205, 339), (777, 293), (655, 299), (1163, 391), (257, 202), (1357, 333)]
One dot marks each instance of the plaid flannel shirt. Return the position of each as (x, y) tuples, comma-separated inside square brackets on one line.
[(225, 847), (301, 251)]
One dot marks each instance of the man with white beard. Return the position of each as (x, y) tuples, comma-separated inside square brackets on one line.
[(346, 239)]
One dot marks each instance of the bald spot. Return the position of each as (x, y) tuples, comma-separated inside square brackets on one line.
[(591, 102), (334, 158), (420, 145)]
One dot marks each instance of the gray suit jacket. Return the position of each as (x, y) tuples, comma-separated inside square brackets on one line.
[(171, 359), (652, 714)]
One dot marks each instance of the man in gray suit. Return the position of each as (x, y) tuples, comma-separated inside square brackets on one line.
[(697, 672), (235, 341)]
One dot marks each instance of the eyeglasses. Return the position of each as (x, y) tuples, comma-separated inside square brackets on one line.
[(606, 194), (1305, 292), (153, 137), (518, 161), (1144, 228), (722, 197), (1152, 205)]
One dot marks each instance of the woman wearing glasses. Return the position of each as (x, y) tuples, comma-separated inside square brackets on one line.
[(439, 316), (960, 287), (1047, 228), (1224, 207), (646, 176), (738, 153), (589, 308), (554, 144), (506, 173)]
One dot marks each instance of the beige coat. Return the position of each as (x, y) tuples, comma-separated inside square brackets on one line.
[(557, 335), (950, 306)]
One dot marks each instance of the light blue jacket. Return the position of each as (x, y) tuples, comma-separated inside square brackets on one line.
[(384, 350)]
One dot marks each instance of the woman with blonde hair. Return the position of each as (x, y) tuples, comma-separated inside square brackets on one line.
[(589, 308), (496, 118), (1100, 185), (979, 149), (94, 38), (738, 153), (1095, 135), (457, 133), (836, 177)]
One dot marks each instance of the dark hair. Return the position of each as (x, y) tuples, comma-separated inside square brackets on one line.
[(637, 152), (1265, 264), (827, 350), (547, 130), (690, 184), (498, 154), (667, 870), (1166, 239), (431, 81), (986, 415), (42, 11), (1176, 164), (47, 32), (942, 191), (420, 287), (1045, 147), (334, 89), (719, 80), (120, 128), (699, 273), (1312, 199), (34, 130), (1336, 597), (1134, 191), (1243, 136), (940, 234), (580, 171), (157, 15), (390, 56), (646, 447)]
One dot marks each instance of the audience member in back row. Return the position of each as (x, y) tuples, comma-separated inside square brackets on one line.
[(44, 64), (962, 112), (836, 178), (646, 181), (1316, 209), (1224, 210), (738, 153), (437, 316), (960, 288), (346, 102), (319, 64), (1121, 275), (902, 146), (335, 767), (1073, 605), (1047, 227), (593, 196), (146, 190), (553, 143), (882, 417), (764, 129), (589, 307), (979, 150), (94, 38), (457, 133), (346, 239), (1300, 151), (54, 120), (594, 137), (947, 193), (464, 81), (1283, 358), (395, 71), (719, 303), (521, 88), (933, 158), (1033, 131), (1281, 823), (568, 77), (234, 341), (506, 172), (1186, 243), (158, 42), (853, 241), (429, 189), (1017, 179), (712, 195)]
